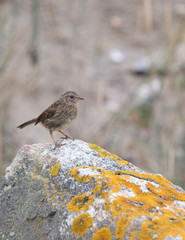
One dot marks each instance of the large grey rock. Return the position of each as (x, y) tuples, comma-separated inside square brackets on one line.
[(80, 191)]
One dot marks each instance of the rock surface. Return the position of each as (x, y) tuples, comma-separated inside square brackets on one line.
[(80, 191)]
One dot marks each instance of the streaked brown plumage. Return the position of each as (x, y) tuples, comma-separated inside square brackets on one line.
[(59, 115)]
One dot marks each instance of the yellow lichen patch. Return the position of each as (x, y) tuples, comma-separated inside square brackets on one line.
[(120, 173), (156, 178), (150, 201), (80, 203), (123, 221), (84, 179), (121, 205), (106, 173), (180, 211), (143, 204), (148, 196), (54, 171), (122, 162), (162, 225), (103, 153), (107, 206), (103, 234), (134, 187), (126, 177), (81, 224), (167, 193), (106, 185), (133, 235), (165, 190), (75, 172)]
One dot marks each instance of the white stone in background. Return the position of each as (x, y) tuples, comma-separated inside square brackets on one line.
[(156, 85), (116, 56), (142, 66), (146, 90)]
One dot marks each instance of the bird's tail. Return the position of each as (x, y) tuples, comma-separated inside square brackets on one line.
[(27, 123)]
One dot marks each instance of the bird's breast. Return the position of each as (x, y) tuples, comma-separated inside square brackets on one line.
[(67, 115), (70, 112), (63, 116)]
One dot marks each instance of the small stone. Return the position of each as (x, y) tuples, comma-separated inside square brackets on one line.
[(147, 90), (116, 56), (142, 66)]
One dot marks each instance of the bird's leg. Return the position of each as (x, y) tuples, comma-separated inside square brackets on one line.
[(56, 144), (66, 136)]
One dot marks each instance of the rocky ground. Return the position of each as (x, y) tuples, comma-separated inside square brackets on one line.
[(81, 191), (126, 58)]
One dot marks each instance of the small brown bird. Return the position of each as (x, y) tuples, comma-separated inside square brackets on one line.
[(59, 115)]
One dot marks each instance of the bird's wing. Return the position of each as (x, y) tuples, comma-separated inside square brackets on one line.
[(48, 113)]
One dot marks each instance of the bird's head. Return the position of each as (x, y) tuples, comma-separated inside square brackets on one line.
[(70, 97)]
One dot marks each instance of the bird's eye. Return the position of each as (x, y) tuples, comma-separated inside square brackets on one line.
[(71, 97)]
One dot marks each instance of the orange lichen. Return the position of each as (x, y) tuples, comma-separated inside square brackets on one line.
[(122, 162), (103, 234), (142, 204), (150, 198), (150, 177), (103, 153), (166, 192), (125, 183), (54, 171), (81, 224), (79, 203), (84, 179), (133, 235), (124, 204), (123, 221), (180, 211), (105, 186), (167, 224)]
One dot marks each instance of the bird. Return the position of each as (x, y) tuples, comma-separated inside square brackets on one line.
[(58, 115)]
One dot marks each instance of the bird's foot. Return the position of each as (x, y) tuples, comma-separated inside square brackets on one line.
[(57, 145), (67, 137)]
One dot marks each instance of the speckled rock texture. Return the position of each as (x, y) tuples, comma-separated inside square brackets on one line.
[(81, 191)]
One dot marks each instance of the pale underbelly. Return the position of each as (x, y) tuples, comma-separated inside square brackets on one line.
[(55, 126)]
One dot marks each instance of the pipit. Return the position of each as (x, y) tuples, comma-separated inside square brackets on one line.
[(58, 116)]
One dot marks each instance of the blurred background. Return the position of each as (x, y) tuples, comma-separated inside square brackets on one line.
[(126, 58)]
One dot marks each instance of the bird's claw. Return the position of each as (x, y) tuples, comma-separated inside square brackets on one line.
[(67, 137), (57, 145)]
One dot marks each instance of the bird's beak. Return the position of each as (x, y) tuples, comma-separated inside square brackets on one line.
[(80, 98)]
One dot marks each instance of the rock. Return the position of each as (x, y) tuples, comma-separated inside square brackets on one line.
[(81, 191), (148, 90), (142, 66), (116, 56)]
